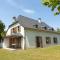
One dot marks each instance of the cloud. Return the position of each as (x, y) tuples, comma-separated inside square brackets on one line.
[(12, 3), (28, 11), (19, 6)]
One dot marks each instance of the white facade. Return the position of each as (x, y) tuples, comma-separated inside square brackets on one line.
[(29, 37)]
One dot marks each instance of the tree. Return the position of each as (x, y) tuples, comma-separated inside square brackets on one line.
[(58, 29), (53, 4), (2, 32)]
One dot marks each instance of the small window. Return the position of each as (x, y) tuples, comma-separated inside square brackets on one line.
[(52, 29), (18, 29), (45, 28), (35, 26), (48, 40), (55, 40)]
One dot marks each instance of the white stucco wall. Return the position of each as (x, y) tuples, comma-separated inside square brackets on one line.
[(21, 33), (6, 43), (31, 38), (15, 25)]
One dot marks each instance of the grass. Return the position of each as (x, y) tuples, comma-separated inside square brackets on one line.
[(51, 53)]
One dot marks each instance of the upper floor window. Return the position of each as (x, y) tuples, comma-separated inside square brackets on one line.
[(15, 29), (18, 28), (51, 29), (55, 40), (45, 28), (48, 40), (35, 26)]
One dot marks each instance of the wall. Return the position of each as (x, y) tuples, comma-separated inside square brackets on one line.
[(6, 43), (31, 38), (21, 33)]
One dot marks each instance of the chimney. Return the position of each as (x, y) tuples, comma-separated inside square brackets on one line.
[(14, 18), (39, 20)]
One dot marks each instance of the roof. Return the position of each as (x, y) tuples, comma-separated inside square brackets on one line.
[(13, 23), (29, 22), (40, 30)]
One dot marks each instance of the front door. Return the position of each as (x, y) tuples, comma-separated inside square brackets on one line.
[(39, 41)]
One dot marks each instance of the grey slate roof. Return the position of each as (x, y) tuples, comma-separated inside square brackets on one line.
[(29, 23)]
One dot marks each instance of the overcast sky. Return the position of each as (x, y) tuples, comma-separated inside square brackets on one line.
[(30, 8)]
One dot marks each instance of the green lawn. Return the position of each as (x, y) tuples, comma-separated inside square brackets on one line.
[(52, 53)]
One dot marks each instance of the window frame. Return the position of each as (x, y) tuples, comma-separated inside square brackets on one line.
[(18, 27), (48, 40), (56, 40)]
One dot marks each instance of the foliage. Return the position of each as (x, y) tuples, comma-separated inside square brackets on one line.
[(58, 30), (53, 4), (2, 27)]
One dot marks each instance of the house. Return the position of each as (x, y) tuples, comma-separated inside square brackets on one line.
[(29, 33)]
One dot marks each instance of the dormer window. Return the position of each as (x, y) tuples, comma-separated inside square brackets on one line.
[(44, 27), (35, 26), (52, 29)]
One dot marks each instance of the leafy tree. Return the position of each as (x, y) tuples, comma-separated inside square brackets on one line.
[(53, 4), (58, 29), (2, 32)]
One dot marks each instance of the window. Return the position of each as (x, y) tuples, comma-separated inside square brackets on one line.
[(48, 40), (52, 29), (45, 28), (35, 26), (15, 29), (18, 29), (55, 40)]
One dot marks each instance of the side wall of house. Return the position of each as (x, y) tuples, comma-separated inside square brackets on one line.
[(31, 38)]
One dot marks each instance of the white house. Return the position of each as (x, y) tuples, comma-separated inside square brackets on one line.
[(29, 33)]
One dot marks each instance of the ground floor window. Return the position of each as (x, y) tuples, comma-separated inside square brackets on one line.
[(48, 40), (55, 40)]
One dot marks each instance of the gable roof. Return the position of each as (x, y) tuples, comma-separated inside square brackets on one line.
[(29, 22), (13, 23)]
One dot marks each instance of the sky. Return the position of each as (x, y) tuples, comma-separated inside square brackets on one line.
[(29, 8)]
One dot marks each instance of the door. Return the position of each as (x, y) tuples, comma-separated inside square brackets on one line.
[(39, 41), (18, 42)]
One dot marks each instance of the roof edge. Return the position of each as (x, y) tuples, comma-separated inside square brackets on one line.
[(40, 30)]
